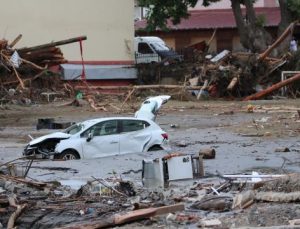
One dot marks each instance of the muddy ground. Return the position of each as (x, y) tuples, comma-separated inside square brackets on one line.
[(243, 141)]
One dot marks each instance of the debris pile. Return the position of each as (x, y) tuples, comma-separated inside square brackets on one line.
[(230, 74), (26, 70), (214, 200)]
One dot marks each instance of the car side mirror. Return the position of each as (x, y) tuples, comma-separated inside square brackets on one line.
[(90, 137)]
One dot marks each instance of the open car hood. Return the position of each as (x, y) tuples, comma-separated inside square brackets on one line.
[(151, 106), (56, 135)]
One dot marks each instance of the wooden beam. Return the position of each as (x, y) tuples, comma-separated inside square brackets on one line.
[(273, 88), (128, 217), (52, 44), (287, 31)]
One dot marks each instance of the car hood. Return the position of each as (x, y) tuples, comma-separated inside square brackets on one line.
[(56, 135)]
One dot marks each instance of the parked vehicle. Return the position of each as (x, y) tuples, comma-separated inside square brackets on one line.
[(153, 49), (105, 136)]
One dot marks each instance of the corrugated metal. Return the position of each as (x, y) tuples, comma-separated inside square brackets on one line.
[(98, 72), (211, 19)]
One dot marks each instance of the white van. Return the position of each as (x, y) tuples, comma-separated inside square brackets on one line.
[(153, 49)]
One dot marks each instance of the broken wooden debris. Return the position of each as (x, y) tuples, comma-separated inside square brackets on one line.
[(287, 32), (36, 184), (16, 214), (128, 217), (20, 65)]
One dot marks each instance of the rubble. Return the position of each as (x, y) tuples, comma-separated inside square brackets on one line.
[(26, 71)]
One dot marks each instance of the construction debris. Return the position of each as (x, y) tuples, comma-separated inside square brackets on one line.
[(25, 71)]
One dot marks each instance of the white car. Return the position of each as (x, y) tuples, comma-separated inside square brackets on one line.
[(105, 136)]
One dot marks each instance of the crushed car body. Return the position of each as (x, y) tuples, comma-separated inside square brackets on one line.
[(105, 136)]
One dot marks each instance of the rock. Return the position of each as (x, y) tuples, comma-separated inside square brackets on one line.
[(282, 149), (207, 153), (182, 144), (11, 92), (210, 223), (170, 217), (174, 125)]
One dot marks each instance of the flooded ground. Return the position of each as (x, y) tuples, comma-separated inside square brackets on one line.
[(244, 142)]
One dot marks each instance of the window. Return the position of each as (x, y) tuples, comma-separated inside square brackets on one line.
[(144, 48), (103, 128), (74, 129), (134, 125)]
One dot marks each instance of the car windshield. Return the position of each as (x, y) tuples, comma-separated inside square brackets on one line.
[(160, 46), (74, 129)]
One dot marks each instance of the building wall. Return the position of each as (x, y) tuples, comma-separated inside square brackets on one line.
[(108, 25)]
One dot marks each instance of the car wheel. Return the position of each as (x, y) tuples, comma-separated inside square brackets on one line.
[(68, 155), (155, 148)]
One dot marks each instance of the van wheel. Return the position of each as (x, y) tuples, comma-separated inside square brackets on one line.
[(68, 155), (155, 148)]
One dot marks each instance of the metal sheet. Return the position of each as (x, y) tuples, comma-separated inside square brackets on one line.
[(98, 72)]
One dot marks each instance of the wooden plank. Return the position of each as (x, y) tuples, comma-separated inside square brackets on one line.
[(52, 44)]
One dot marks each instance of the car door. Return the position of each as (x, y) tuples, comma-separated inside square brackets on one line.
[(104, 140), (134, 136)]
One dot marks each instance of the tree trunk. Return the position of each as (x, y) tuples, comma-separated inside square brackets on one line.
[(237, 12), (250, 11), (253, 37), (286, 16), (286, 19)]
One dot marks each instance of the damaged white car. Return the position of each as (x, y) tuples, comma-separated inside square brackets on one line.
[(105, 136)]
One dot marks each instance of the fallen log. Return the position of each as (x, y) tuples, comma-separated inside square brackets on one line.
[(127, 218), (273, 88)]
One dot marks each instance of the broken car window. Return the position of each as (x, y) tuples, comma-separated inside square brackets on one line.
[(134, 125), (74, 129), (102, 129)]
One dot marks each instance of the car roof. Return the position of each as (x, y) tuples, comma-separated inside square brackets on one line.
[(149, 39), (94, 121)]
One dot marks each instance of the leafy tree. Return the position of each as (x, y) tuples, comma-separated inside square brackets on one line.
[(253, 35), (160, 11)]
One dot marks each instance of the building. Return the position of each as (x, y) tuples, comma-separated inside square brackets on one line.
[(108, 25), (203, 21)]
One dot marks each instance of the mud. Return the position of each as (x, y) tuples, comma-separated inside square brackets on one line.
[(225, 126)]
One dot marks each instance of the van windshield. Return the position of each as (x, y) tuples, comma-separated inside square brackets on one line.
[(159, 46)]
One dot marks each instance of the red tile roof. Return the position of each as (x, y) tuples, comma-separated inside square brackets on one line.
[(220, 18)]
